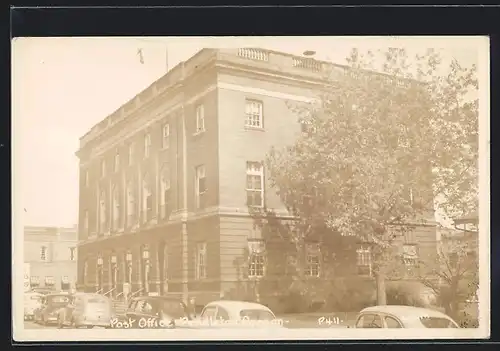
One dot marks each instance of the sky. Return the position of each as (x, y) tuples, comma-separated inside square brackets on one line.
[(63, 86)]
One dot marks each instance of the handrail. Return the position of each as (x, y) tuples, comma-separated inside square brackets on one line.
[(109, 291), (99, 291), (119, 294), (136, 292)]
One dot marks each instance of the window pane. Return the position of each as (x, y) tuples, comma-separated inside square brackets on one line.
[(257, 182), (202, 185), (392, 323), (372, 321), (209, 312), (254, 198), (257, 315)]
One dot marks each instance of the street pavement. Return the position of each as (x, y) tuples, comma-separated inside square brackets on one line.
[(298, 321), (33, 325)]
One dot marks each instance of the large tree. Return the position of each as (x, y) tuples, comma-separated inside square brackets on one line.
[(387, 135), (457, 269)]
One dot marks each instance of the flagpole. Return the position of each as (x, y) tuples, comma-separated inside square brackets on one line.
[(166, 59)]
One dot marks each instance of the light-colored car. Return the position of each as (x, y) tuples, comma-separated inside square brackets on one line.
[(146, 312), (32, 301), (50, 305), (86, 310), (235, 314), (395, 316)]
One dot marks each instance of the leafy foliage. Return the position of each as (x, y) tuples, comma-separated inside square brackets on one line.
[(378, 148), (456, 268), (377, 145)]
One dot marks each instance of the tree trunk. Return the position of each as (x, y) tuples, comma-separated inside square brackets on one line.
[(381, 291)]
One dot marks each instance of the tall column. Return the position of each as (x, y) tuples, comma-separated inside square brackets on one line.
[(111, 212), (110, 273), (154, 278), (140, 267), (157, 269), (140, 200), (124, 200), (98, 210), (185, 261)]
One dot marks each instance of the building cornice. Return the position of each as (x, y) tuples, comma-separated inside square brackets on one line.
[(177, 78), (215, 211)]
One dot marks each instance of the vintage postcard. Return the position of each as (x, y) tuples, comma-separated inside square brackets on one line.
[(256, 188)]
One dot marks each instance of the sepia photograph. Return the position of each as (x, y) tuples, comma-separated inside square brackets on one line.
[(250, 188)]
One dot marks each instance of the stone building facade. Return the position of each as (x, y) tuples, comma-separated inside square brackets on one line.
[(166, 180), (50, 254)]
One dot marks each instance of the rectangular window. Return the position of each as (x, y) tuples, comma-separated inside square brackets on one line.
[(200, 186), (313, 262), (34, 280), (87, 180), (117, 161), (147, 145), (256, 259), (253, 114), (50, 281), (410, 255), (165, 195), (103, 168), (201, 261), (255, 184), (131, 154), (43, 253), (200, 119), (72, 253), (86, 222), (165, 143), (364, 260)]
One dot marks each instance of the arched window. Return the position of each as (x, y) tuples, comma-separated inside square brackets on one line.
[(165, 193), (165, 262), (147, 199), (130, 203), (85, 272), (102, 210), (116, 207)]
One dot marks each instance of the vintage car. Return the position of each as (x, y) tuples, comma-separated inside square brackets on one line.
[(235, 314), (393, 316), (86, 310), (43, 291), (146, 312), (32, 301), (47, 313)]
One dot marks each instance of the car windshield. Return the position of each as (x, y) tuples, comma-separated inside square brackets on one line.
[(174, 309), (437, 322), (257, 315), (57, 299)]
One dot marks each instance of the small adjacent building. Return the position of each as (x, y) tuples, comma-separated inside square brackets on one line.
[(50, 258)]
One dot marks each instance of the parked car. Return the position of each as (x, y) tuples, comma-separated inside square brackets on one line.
[(234, 314), (32, 301), (86, 310), (146, 312), (44, 291), (47, 313), (394, 316)]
